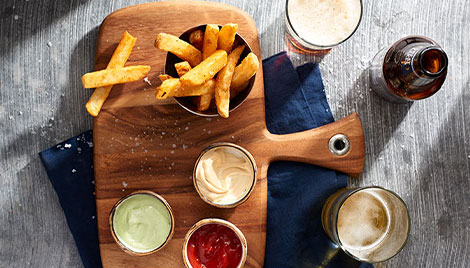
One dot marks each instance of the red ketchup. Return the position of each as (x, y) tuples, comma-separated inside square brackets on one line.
[(214, 246)]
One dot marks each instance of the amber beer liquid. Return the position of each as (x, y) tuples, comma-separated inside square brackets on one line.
[(370, 224), (413, 68)]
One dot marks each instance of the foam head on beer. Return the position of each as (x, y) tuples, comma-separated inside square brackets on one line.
[(324, 22), (363, 221)]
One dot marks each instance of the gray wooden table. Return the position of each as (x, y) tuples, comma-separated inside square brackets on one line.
[(421, 151)]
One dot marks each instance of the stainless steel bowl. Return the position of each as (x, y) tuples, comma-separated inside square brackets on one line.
[(188, 103)]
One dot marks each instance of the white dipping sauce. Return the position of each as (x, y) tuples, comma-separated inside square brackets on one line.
[(224, 175), (324, 22)]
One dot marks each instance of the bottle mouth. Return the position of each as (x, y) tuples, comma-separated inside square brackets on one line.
[(433, 61)]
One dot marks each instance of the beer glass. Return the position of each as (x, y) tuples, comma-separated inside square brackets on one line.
[(314, 26), (371, 224)]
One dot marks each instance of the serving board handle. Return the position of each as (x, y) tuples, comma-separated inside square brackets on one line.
[(312, 146)]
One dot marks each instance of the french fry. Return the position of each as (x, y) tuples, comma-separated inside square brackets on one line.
[(186, 91), (164, 77), (180, 48), (119, 58), (206, 70), (227, 36), (114, 76), (173, 88), (204, 102), (224, 79), (196, 39), (211, 35), (167, 88), (244, 71), (182, 68)]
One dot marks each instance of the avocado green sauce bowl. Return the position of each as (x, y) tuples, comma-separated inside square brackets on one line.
[(141, 223)]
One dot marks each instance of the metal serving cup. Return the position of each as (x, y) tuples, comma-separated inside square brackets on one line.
[(188, 102), (214, 221), (113, 233), (244, 152)]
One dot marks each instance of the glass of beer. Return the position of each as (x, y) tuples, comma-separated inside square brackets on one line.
[(316, 25), (371, 224)]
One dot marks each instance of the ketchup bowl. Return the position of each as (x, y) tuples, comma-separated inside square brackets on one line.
[(214, 243)]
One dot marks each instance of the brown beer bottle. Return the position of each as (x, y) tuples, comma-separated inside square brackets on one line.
[(413, 68)]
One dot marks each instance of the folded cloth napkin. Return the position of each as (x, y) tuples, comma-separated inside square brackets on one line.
[(295, 101), (69, 166)]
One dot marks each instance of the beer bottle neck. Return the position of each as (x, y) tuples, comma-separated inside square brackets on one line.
[(430, 62)]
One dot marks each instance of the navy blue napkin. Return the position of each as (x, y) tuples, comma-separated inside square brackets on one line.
[(295, 101), (69, 166)]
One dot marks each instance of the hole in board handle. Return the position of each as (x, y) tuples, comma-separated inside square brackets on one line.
[(339, 145)]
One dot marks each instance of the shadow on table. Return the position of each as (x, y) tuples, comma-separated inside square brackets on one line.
[(71, 110), (440, 194), (379, 117), (31, 17), (32, 181)]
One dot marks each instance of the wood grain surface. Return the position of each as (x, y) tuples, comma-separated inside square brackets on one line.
[(160, 141), (421, 151)]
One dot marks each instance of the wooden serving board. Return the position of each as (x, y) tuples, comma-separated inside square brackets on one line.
[(142, 143)]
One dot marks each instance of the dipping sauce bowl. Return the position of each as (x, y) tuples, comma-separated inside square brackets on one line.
[(142, 223), (224, 175), (214, 243)]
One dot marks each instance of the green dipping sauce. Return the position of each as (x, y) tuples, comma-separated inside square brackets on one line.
[(142, 223)]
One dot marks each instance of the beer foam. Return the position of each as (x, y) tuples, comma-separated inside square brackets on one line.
[(324, 22), (363, 221)]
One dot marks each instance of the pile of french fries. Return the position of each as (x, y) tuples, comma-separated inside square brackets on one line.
[(209, 68), (115, 73)]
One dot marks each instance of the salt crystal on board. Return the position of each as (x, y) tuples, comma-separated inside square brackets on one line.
[(146, 80), (124, 184), (173, 145), (74, 170), (68, 145), (49, 44)]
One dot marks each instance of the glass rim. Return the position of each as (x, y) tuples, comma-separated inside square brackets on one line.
[(358, 189), (322, 46)]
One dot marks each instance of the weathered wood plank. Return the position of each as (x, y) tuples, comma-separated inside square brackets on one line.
[(420, 151)]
